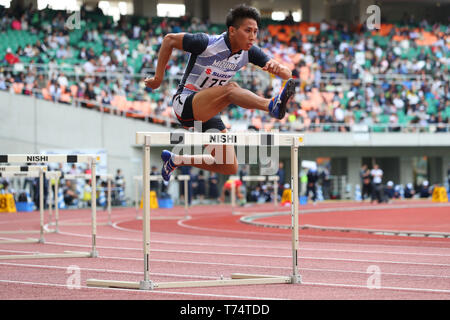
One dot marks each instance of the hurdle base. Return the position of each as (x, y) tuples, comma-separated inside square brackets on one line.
[(28, 240), (94, 253), (19, 231), (66, 254), (146, 285), (296, 278), (236, 280), (76, 224)]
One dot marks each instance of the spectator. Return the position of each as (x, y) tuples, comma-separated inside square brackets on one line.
[(62, 80), (313, 177), (409, 191), (154, 184), (213, 191), (73, 169), (69, 193), (119, 180), (389, 191), (326, 182), (16, 24), (448, 177), (424, 190), (227, 188), (10, 57), (366, 180), (377, 187), (201, 186), (281, 177), (89, 66)]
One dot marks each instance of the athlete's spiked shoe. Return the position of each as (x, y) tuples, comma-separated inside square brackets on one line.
[(277, 106), (168, 164)]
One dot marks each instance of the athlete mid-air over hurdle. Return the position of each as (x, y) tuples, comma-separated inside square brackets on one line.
[(205, 89)]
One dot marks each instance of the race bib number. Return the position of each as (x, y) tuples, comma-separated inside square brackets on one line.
[(213, 77)]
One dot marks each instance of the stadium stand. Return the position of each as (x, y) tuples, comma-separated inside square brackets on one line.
[(392, 79)]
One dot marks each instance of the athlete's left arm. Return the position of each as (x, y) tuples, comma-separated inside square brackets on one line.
[(276, 68), (259, 58)]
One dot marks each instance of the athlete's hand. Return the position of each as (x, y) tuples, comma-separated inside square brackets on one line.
[(272, 66), (152, 82)]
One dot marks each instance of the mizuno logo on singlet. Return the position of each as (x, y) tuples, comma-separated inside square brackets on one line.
[(225, 65)]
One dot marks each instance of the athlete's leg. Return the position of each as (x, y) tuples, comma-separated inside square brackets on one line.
[(219, 158), (210, 102), (207, 104)]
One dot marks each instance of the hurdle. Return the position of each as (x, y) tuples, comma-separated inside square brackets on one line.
[(54, 175), (56, 158), (109, 177), (274, 180), (27, 171), (35, 174), (193, 138), (180, 177)]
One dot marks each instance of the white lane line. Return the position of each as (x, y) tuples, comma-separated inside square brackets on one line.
[(106, 270), (183, 293), (269, 256), (254, 247), (231, 296), (374, 241), (240, 254), (215, 277), (381, 287)]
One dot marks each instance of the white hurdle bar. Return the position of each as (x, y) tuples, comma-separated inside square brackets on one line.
[(274, 179), (58, 158), (180, 177), (54, 175), (27, 171), (109, 177), (193, 138), (32, 173), (35, 174)]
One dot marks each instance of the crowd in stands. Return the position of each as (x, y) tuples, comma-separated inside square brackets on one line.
[(347, 75)]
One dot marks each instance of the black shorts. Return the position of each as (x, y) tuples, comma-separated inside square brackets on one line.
[(187, 116)]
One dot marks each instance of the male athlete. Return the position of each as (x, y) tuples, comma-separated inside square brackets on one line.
[(205, 89)]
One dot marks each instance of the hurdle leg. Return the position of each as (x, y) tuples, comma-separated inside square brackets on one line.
[(186, 199), (50, 204), (136, 198), (233, 197), (296, 278), (275, 191), (56, 204), (109, 202), (94, 252), (41, 205), (146, 284)]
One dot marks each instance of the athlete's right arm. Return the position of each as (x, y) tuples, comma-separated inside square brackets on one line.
[(170, 41)]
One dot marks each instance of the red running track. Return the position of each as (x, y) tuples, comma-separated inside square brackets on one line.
[(214, 243)]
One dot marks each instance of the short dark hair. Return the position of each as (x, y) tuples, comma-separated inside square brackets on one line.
[(241, 12)]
